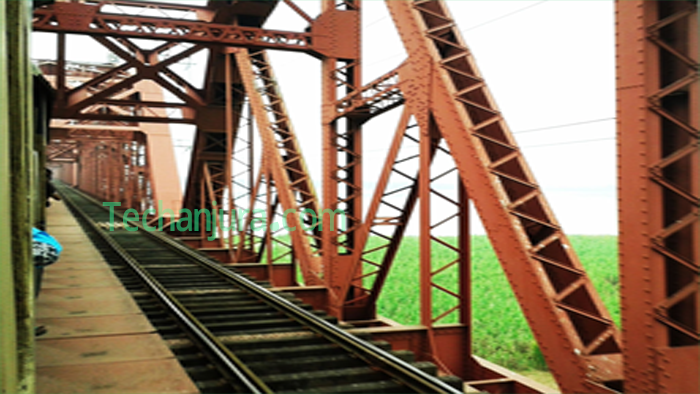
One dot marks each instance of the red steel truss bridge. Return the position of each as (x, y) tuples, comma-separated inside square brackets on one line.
[(110, 138)]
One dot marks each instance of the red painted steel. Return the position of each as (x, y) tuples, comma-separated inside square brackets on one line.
[(446, 108), (658, 126), (372, 264), (110, 87), (342, 144), (114, 168), (209, 183), (89, 154), (283, 159), (199, 25), (562, 308), (85, 18), (375, 98)]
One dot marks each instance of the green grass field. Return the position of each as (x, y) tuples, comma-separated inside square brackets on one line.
[(500, 332)]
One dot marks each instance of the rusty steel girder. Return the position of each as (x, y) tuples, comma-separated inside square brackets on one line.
[(379, 96), (110, 88), (112, 169), (283, 159), (209, 183), (559, 301), (140, 185), (86, 18), (342, 147), (658, 89), (190, 24), (449, 116)]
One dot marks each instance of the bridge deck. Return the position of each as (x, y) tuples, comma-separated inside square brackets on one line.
[(98, 340)]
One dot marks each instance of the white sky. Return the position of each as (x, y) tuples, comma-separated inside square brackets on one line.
[(547, 63)]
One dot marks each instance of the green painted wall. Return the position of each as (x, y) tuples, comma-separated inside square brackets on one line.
[(18, 141), (8, 332)]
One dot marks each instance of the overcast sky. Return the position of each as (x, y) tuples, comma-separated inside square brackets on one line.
[(548, 64)]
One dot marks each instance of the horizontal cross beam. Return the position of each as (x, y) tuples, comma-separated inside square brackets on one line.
[(80, 18)]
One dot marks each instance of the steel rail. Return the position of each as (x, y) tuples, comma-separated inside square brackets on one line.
[(401, 370), (198, 332)]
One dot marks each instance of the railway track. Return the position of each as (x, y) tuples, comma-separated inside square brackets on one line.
[(234, 334)]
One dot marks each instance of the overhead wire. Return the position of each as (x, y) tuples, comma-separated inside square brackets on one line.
[(564, 125), (569, 143), (382, 60), (522, 131), (535, 146), (374, 22), (551, 128), (465, 30), (536, 130), (504, 16)]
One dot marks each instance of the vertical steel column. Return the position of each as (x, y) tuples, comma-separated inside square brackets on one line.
[(444, 297), (228, 162), (426, 302), (365, 279), (19, 122), (247, 248), (203, 207), (465, 263), (242, 185), (99, 179), (143, 185), (132, 167), (269, 112), (342, 144), (8, 325), (659, 191), (329, 239), (113, 162), (61, 69), (251, 171), (269, 220), (161, 162)]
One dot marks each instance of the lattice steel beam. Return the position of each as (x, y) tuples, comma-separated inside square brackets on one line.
[(379, 96), (342, 144), (202, 26), (79, 18), (282, 157), (577, 337), (659, 165)]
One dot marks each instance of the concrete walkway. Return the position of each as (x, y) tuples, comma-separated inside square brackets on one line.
[(98, 341)]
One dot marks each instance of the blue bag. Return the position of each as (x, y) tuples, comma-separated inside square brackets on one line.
[(45, 248)]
